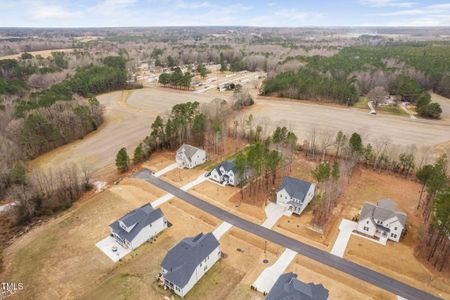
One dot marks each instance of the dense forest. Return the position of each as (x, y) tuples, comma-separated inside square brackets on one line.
[(36, 120), (405, 70)]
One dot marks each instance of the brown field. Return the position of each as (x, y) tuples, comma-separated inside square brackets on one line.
[(128, 115), (302, 117), (43, 53), (125, 125)]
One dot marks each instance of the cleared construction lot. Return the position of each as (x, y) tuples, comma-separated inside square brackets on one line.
[(61, 254)]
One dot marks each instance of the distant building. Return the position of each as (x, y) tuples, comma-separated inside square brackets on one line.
[(187, 262), (138, 226), (189, 156), (225, 173), (381, 220), (295, 194), (288, 287)]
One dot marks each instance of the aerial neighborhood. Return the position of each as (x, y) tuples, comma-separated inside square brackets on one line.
[(225, 162)]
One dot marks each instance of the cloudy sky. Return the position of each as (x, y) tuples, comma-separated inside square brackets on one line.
[(105, 13)]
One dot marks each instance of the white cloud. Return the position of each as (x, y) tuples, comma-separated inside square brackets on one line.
[(435, 9), (386, 3), (40, 12)]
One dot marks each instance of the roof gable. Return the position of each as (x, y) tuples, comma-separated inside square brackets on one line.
[(182, 260), (137, 219), (384, 210), (288, 287), (295, 188)]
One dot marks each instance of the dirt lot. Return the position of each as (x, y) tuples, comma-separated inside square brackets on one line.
[(43, 53), (301, 117), (125, 125), (445, 105)]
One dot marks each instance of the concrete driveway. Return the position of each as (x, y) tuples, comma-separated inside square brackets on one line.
[(345, 231), (166, 169), (378, 279), (269, 276), (221, 230), (106, 245), (273, 213)]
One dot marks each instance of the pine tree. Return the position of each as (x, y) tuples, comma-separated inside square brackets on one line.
[(122, 160)]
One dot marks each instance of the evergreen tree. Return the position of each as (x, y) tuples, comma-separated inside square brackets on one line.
[(122, 160)]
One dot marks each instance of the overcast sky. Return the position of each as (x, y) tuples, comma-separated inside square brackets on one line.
[(295, 13)]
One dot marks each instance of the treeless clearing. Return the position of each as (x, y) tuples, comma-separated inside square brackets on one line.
[(43, 53), (302, 117), (445, 105), (221, 196)]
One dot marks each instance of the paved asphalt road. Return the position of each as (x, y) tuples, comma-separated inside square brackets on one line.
[(394, 286)]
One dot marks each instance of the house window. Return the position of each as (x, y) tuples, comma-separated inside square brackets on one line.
[(367, 222), (395, 228)]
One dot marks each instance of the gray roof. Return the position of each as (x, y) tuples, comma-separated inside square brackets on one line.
[(296, 188), (228, 165), (189, 150), (141, 216), (288, 287), (181, 261), (383, 210)]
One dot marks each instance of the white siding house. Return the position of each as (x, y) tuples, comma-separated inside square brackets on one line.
[(295, 194), (225, 173), (381, 220), (188, 261), (138, 226), (188, 156)]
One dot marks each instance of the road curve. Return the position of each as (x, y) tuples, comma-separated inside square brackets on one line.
[(382, 281)]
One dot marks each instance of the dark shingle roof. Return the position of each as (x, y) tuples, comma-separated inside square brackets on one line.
[(288, 287), (181, 261), (383, 210), (228, 165), (141, 216), (296, 188)]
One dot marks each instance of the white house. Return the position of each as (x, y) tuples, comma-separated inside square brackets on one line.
[(289, 287), (225, 173), (187, 262), (381, 220), (138, 226), (189, 156), (295, 194)]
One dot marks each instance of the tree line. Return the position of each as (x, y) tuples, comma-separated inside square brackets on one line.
[(176, 79), (87, 81)]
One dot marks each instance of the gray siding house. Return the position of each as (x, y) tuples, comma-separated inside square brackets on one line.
[(188, 156), (382, 220), (138, 226), (187, 262), (288, 287), (295, 194)]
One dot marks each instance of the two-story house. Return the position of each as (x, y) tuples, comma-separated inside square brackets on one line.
[(382, 220), (187, 262), (295, 194), (188, 156), (138, 226), (225, 173)]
